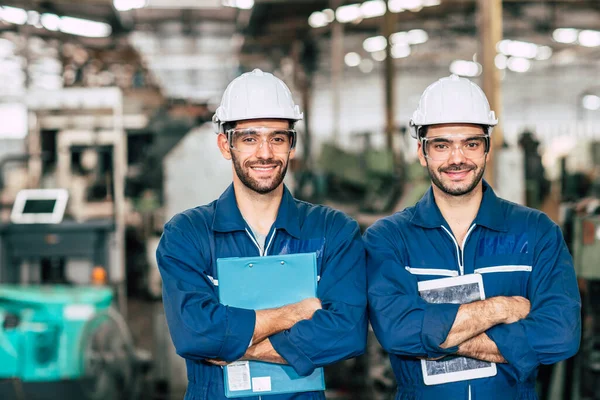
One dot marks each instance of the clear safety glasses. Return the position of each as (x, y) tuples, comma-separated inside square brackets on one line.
[(250, 140), (440, 148)]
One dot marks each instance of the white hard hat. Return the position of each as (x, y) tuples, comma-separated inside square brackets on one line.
[(256, 95), (452, 100)]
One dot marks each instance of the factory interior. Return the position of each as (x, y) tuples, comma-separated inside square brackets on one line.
[(106, 109)]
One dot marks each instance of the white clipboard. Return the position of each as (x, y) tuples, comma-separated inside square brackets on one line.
[(456, 290)]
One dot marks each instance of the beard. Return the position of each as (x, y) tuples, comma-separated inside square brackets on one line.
[(457, 189), (260, 186)]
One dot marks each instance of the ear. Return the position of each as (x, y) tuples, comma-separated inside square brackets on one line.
[(224, 146), (420, 154), (292, 153)]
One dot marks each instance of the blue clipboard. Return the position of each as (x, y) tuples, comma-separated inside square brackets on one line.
[(267, 282)]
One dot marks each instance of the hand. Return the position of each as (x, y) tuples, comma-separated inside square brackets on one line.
[(305, 309), (217, 362), (515, 308)]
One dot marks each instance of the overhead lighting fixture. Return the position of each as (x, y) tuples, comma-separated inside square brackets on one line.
[(244, 4), (348, 13), (500, 61), (50, 22), (565, 35), (465, 68), (399, 38), (126, 5), (380, 55), (372, 8), (518, 64), (376, 43), (330, 14), (431, 3), (13, 15), (589, 38), (417, 36), (366, 66), (33, 18), (84, 27), (517, 48), (317, 19), (409, 4), (591, 102), (395, 6), (544, 53), (352, 59), (400, 51)]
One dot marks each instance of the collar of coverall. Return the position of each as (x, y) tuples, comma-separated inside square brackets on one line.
[(491, 213), (228, 217)]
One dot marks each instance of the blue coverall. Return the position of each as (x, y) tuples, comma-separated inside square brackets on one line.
[(202, 328), (517, 250)]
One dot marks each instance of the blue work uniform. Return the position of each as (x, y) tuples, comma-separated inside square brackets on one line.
[(517, 250), (202, 328)]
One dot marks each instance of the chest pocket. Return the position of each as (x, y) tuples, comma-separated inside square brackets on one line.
[(296, 246), (505, 263)]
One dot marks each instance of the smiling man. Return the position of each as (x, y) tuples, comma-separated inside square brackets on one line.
[(531, 312), (257, 215)]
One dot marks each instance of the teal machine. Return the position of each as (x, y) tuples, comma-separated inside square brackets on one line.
[(59, 339)]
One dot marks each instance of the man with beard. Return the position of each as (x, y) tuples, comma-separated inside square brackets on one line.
[(257, 215), (459, 227)]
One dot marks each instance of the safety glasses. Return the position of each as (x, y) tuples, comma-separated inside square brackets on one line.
[(250, 140), (440, 148)]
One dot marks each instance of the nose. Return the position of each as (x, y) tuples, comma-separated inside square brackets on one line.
[(456, 155), (264, 150)]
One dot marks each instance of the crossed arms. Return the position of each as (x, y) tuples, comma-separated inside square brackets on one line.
[(499, 329)]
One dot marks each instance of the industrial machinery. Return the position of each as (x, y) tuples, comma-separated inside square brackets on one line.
[(370, 177), (62, 280)]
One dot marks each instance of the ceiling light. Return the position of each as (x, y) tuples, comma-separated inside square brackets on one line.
[(317, 19), (565, 35), (126, 5), (330, 14), (372, 8), (518, 64), (366, 65), (500, 61), (465, 68), (14, 15), (417, 36), (431, 3), (591, 102), (348, 13), (544, 53), (376, 43), (589, 38), (33, 18), (244, 4), (379, 55), (352, 59), (409, 4), (399, 38), (400, 51), (395, 6), (84, 27), (517, 48), (50, 21)]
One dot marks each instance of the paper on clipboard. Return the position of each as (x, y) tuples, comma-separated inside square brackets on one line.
[(456, 290)]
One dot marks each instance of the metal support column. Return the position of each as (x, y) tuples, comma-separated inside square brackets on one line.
[(388, 27), (490, 31), (337, 70)]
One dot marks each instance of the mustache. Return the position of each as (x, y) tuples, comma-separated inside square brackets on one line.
[(264, 162), (458, 167)]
